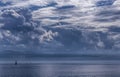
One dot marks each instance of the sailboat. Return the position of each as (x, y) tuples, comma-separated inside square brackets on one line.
[(16, 62)]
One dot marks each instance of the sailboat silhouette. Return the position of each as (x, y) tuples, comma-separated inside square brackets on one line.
[(16, 62)]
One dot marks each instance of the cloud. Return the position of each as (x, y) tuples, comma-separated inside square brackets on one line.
[(105, 2), (19, 28), (117, 2), (53, 25)]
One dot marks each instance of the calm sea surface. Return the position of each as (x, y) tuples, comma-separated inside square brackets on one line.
[(59, 70)]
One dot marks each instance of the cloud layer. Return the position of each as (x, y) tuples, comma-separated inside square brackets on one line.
[(59, 25)]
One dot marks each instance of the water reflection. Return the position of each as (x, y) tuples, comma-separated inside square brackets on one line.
[(59, 70)]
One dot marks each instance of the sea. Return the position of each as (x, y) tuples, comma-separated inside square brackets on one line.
[(60, 69)]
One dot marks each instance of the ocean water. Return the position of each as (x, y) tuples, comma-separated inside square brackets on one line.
[(59, 70)]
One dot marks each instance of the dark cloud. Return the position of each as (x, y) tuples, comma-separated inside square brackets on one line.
[(58, 28), (20, 29), (80, 39), (107, 19), (66, 7), (114, 29), (4, 3), (19, 23), (108, 12), (105, 2)]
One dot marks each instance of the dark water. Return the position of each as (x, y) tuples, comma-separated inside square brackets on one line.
[(59, 70)]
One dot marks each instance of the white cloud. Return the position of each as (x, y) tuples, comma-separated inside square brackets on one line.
[(117, 2), (1, 36), (44, 12), (82, 25), (48, 36)]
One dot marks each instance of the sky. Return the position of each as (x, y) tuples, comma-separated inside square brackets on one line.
[(54, 26)]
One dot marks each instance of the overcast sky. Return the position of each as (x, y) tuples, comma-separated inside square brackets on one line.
[(59, 25)]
